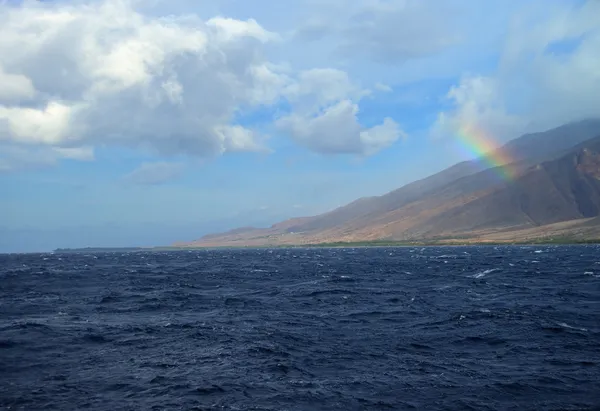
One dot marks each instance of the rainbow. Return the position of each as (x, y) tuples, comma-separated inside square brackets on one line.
[(479, 144)]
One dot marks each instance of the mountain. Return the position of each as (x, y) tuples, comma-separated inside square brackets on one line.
[(553, 177)]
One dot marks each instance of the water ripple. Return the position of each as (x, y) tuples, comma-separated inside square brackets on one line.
[(440, 328)]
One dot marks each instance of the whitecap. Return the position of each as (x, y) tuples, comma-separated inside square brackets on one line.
[(565, 325), (538, 251), (484, 273)]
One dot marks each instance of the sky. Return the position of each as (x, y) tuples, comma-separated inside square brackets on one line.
[(138, 123)]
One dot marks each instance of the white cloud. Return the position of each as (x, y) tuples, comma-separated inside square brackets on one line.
[(384, 31), (321, 86), (49, 124), (325, 116), (104, 73), (548, 76), (336, 130), (237, 138), (18, 158), (381, 136), (78, 74), (82, 74), (479, 104), (231, 29), (154, 173), (383, 87), (15, 87), (399, 30), (75, 153)]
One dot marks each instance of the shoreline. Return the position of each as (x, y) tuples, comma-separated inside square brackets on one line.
[(358, 244)]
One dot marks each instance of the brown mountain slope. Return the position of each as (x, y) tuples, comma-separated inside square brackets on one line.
[(561, 190), (456, 202), (527, 150)]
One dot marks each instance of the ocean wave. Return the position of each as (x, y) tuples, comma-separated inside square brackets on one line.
[(333, 329)]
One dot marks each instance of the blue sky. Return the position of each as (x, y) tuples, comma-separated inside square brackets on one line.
[(143, 123)]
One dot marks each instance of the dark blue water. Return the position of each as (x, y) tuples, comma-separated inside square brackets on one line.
[(480, 328)]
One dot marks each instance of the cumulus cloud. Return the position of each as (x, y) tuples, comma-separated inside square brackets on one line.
[(15, 87), (325, 116), (154, 173), (48, 124), (78, 74), (548, 75), (100, 72), (478, 103), (335, 130)]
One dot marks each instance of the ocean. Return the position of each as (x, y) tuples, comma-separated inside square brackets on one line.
[(436, 328)]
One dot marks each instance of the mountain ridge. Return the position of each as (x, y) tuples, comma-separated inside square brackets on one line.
[(466, 197)]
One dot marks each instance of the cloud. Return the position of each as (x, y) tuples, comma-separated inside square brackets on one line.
[(19, 158), (102, 73), (313, 30), (15, 87), (383, 87), (396, 31), (154, 173), (383, 31), (335, 130), (47, 125), (325, 116), (397, 42), (319, 87), (83, 74), (478, 102), (547, 76), (231, 29)]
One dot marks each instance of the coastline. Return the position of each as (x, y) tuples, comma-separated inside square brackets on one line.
[(357, 244)]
